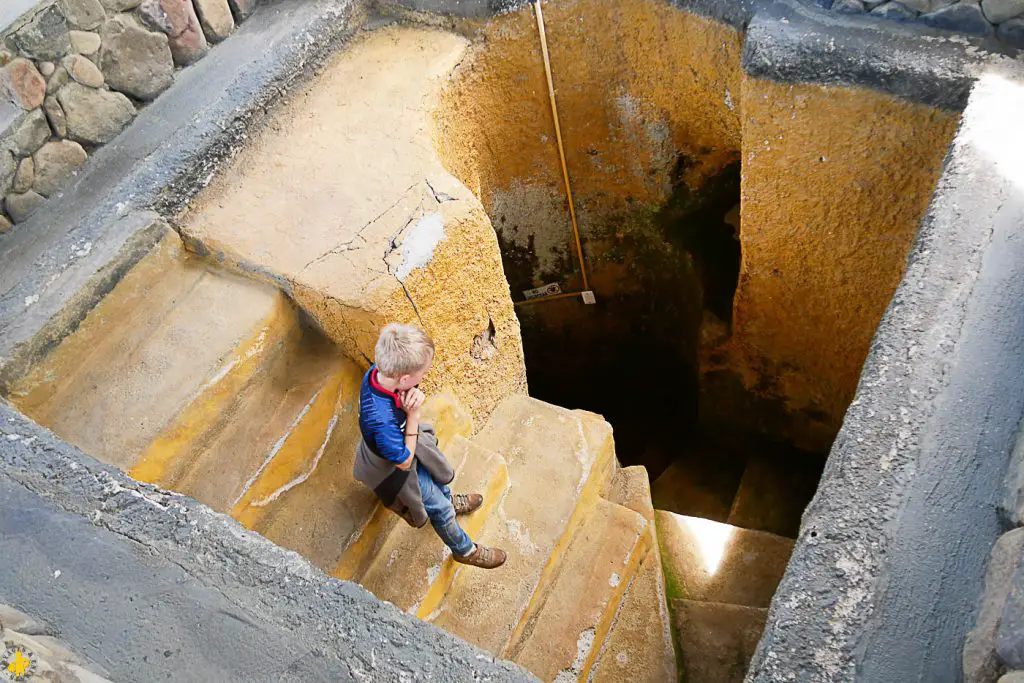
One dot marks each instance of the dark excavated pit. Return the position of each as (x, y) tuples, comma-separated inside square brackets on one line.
[(664, 284)]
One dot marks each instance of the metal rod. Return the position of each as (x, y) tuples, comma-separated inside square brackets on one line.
[(561, 149), (564, 295)]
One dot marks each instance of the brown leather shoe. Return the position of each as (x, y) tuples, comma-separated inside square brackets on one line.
[(483, 557), (466, 503)]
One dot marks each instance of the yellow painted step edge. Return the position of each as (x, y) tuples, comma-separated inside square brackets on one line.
[(640, 551), (300, 450), (360, 553), (450, 419), (497, 487), (215, 397), (601, 470)]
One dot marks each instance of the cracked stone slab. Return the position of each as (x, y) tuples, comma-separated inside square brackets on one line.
[(341, 199)]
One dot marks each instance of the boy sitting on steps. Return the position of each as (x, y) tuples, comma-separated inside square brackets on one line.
[(398, 457)]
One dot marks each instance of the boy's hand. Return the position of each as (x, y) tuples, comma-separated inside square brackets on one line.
[(412, 401)]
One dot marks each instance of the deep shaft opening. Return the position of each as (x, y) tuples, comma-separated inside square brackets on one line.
[(655, 171), (665, 282)]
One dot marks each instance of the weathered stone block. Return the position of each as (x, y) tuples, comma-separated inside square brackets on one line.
[(94, 117), (84, 15), (242, 9), (998, 11), (25, 175), (45, 36), (1011, 505), (215, 18), (55, 164), (894, 10), (22, 205), (24, 82), (1010, 630), (8, 167), (849, 6), (31, 133), (58, 80), (981, 664), (1012, 32), (133, 60), (83, 71), (85, 43), (964, 17), (1012, 677), (178, 20), (55, 115)]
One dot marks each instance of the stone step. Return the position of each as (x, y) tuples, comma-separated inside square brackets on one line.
[(413, 569), (639, 646), (774, 490), (563, 634), (701, 481), (715, 562), (284, 413), (321, 515), (558, 461), (316, 387), (450, 419), (173, 335), (632, 488), (716, 640)]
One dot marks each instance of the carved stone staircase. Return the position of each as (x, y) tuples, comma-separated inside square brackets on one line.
[(213, 386)]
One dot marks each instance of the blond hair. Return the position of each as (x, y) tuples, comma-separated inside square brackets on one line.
[(403, 350)]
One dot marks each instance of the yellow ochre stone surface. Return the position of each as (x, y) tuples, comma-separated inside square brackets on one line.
[(310, 390), (639, 84), (835, 183), (639, 647), (540, 443), (628, 104), (564, 635), (342, 196), (171, 454), (166, 330), (413, 569), (450, 420)]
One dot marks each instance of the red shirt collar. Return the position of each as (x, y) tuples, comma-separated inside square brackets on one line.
[(377, 387)]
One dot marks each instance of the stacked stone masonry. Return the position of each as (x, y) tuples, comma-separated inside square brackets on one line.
[(1002, 19), (994, 649), (73, 74)]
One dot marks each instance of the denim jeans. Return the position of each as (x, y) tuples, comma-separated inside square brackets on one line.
[(437, 499)]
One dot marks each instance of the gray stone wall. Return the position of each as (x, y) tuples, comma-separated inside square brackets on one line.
[(887, 574), (73, 74)]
